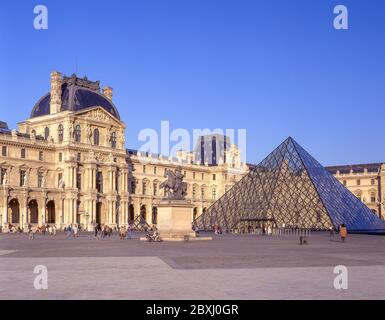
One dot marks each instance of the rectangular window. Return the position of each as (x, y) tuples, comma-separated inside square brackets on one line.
[(79, 181), (2, 176), (194, 191), (22, 153), (358, 182), (41, 155), (155, 189), (144, 188), (194, 175), (372, 198), (40, 180), (144, 169), (79, 157), (155, 169), (344, 183), (214, 177), (22, 178), (203, 176), (60, 157), (4, 151), (373, 182), (99, 182), (133, 187)]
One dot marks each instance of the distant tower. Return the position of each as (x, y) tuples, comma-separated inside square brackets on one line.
[(107, 91), (56, 92)]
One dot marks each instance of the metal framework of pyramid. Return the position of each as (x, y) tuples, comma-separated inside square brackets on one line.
[(291, 189)]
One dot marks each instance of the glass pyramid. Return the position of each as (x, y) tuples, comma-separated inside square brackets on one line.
[(290, 188)]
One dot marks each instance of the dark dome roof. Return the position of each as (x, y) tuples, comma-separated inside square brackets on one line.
[(75, 98)]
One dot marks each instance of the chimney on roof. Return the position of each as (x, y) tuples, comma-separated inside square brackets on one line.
[(107, 91), (56, 92)]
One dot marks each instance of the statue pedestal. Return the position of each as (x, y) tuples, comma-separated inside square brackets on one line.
[(175, 220)]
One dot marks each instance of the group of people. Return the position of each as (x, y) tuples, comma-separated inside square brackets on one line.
[(102, 231), (125, 232), (51, 229), (217, 229), (72, 230)]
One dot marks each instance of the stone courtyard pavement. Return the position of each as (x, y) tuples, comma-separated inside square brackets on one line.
[(228, 267)]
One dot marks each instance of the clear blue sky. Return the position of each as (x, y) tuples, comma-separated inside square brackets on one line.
[(276, 68)]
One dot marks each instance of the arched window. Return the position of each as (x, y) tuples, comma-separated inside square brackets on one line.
[(33, 133), (60, 132), (46, 133), (96, 137), (113, 140), (77, 133)]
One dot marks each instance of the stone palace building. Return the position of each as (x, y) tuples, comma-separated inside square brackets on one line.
[(67, 163)]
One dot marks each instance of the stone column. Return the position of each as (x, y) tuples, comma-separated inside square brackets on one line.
[(43, 213), (23, 212), (5, 212)]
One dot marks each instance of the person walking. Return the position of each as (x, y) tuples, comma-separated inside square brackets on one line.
[(31, 234), (129, 232), (75, 230), (343, 232), (69, 231)]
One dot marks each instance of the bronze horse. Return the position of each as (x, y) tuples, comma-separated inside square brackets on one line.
[(174, 186)]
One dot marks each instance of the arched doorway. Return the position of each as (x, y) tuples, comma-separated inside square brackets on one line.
[(100, 214), (154, 215), (131, 213), (142, 213), (14, 211), (195, 213), (33, 209), (51, 215)]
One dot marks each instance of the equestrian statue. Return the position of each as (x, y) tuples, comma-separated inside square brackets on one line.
[(174, 186)]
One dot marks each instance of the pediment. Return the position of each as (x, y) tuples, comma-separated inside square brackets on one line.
[(99, 114)]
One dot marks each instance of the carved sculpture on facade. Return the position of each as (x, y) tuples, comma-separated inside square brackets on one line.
[(91, 156), (61, 183), (43, 181), (5, 178), (108, 135), (98, 115), (89, 133), (71, 129), (174, 186)]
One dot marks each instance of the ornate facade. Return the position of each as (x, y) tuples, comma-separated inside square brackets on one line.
[(366, 182), (68, 163)]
